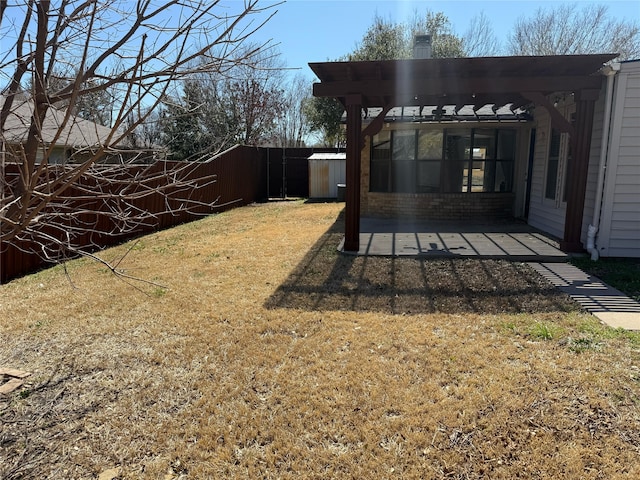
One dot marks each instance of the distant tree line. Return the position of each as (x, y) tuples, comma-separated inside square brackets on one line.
[(251, 104)]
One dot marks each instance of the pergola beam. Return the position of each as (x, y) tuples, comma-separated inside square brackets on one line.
[(376, 124), (557, 120), (414, 91)]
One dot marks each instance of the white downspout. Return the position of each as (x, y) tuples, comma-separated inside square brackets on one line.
[(609, 71)]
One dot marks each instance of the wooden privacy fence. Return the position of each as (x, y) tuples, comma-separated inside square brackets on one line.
[(240, 179)]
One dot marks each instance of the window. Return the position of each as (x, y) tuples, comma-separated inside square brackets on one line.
[(567, 171), (558, 161), (505, 160), (553, 160), (455, 175), (483, 158), (403, 161), (380, 157), (428, 160), (449, 161)]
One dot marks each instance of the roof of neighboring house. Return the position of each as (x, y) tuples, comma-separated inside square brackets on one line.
[(77, 132)]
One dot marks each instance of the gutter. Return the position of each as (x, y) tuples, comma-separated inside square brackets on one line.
[(610, 71)]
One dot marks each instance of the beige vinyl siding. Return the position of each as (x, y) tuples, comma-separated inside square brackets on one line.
[(619, 234), (543, 213)]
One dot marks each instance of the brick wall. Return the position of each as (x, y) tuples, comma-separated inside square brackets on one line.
[(439, 206)]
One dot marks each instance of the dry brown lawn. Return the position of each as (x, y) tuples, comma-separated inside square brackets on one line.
[(270, 355)]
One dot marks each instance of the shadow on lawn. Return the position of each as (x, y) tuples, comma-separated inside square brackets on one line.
[(328, 280)]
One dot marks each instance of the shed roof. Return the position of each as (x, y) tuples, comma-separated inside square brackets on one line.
[(328, 156)]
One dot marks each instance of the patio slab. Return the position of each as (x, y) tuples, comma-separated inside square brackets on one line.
[(515, 241)]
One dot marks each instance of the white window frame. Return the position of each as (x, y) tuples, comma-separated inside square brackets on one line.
[(558, 201)]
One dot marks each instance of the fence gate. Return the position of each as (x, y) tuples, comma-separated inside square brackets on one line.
[(288, 172)]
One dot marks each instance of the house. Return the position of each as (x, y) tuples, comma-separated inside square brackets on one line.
[(610, 225), (70, 140), (469, 138)]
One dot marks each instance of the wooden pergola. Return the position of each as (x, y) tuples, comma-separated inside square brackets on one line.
[(515, 81)]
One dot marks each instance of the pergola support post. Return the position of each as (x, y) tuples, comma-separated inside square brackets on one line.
[(578, 170), (352, 197)]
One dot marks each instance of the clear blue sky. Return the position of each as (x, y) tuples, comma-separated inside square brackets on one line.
[(321, 30)]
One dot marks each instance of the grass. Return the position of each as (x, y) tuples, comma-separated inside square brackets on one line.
[(544, 331), (620, 273), (270, 355)]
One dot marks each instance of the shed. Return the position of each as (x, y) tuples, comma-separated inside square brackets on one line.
[(326, 171)]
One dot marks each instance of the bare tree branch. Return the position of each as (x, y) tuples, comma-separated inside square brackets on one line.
[(573, 29), (479, 40), (292, 126), (55, 54)]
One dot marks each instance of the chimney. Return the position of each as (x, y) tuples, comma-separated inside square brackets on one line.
[(422, 46)]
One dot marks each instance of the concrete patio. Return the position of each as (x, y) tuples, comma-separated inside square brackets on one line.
[(511, 240)]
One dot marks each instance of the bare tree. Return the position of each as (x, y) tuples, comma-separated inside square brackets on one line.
[(138, 51), (292, 126), (145, 133), (479, 39), (215, 110), (256, 95), (96, 106), (573, 29)]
